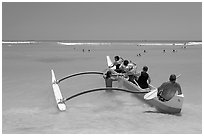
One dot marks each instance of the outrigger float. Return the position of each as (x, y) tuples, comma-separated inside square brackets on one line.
[(172, 106)]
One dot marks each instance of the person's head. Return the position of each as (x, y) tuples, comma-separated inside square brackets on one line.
[(172, 78), (116, 58), (145, 68), (108, 74), (126, 62)]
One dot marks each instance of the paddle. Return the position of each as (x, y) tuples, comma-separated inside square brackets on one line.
[(153, 93)]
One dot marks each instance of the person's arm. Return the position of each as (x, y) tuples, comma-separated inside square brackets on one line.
[(133, 63), (160, 89), (149, 80), (104, 75), (115, 78), (179, 90), (121, 66)]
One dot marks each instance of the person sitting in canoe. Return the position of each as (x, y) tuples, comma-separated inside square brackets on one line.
[(144, 78), (118, 61), (132, 72), (168, 89), (124, 66)]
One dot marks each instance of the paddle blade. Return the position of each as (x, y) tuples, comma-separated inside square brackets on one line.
[(151, 95)]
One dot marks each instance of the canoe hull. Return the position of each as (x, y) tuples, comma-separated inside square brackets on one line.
[(172, 106)]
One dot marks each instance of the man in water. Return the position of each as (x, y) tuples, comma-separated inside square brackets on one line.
[(109, 78), (168, 89)]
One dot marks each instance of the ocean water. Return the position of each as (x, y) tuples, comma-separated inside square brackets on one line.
[(29, 107)]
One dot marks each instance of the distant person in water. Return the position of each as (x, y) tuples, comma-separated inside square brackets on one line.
[(109, 78), (168, 89), (144, 78), (117, 62)]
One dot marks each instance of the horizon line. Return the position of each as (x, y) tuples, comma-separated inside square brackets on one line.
[(116, 40)]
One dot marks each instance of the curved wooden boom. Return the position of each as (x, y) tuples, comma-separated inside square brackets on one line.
[(100, 89), (80, 73)]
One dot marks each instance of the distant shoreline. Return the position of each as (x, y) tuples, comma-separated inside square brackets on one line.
[(105, 42), (109, 41)]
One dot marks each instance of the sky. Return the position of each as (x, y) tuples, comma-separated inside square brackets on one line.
[(102, 21)]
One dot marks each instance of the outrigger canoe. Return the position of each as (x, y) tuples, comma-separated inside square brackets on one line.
[(172, 106)]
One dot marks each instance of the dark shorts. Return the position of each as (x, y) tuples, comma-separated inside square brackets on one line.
[(161, 98)]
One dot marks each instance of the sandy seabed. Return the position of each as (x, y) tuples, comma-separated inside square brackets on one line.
[(28, 104)]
